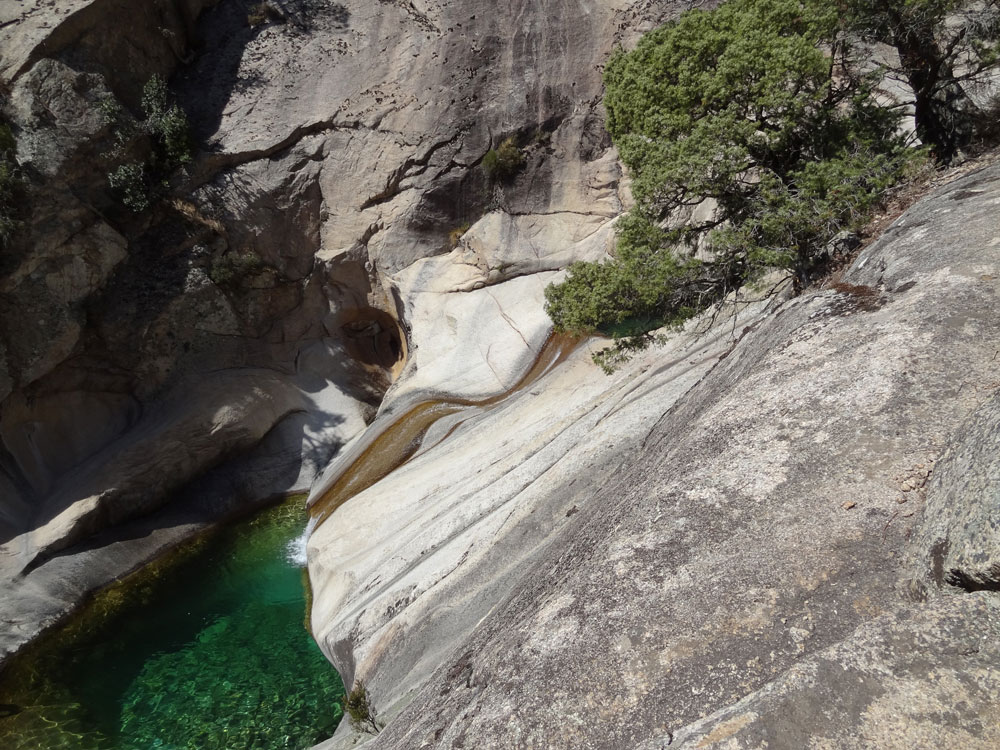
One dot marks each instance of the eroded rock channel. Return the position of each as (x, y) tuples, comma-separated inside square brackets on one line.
[(331, 295)]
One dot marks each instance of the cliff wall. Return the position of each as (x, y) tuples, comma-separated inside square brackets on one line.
[(771, 534), (333, 235)]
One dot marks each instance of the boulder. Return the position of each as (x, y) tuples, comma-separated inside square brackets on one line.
[(191, 432)]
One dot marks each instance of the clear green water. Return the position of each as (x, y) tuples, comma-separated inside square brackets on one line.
[(206, 650)]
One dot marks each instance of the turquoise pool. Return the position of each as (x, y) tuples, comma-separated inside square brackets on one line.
[(205, 650)]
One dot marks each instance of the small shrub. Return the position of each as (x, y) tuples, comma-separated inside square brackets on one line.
[(232, 268), (129, 183), (110, 110), (359, 709), (261, 13), (166, 124), (503, 162), (123, 127), (456, 234)]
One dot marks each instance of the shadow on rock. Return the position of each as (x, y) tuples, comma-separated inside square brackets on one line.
[(206, 86)]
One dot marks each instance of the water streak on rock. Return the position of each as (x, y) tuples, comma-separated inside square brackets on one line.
[(402, 439)]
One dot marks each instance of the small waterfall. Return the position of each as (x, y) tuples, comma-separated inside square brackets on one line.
[(295, 552)]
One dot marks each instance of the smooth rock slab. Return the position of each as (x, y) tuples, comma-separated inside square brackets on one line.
[(756, 526), (959, 541), (404, 570), (923, 678)]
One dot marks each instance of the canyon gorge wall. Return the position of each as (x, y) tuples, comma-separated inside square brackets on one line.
[(773, 532), (334, 235)]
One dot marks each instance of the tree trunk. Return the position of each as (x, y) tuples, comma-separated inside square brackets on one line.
[(943, 108)]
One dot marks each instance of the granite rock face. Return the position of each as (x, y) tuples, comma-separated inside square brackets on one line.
[(959, 542), (920, 678), (761, 520), (405, 570), (745, 535), (334, 231)]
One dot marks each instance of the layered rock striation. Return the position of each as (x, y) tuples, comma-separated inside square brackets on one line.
[(775, 531), (333, 231), (757, 537)]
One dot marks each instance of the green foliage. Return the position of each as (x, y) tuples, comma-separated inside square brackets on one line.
[(359, 709), (12, 194), (643, 284), (165, 125), (111, 110), (503, 162), (703, 101), (232, 268), (788, 224), (129, 183), (610, 358), (745, 106)]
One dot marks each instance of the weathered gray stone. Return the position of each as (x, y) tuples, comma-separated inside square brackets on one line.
[(919, 679), (94, 32), (191, 432), (958, 542), (469, 513), (755, 526)]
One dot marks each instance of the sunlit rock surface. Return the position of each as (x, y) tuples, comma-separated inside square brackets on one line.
[(339, 145), (721, 530), (731, 526)]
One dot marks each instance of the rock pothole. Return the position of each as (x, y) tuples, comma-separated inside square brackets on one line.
[(374, 339)]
